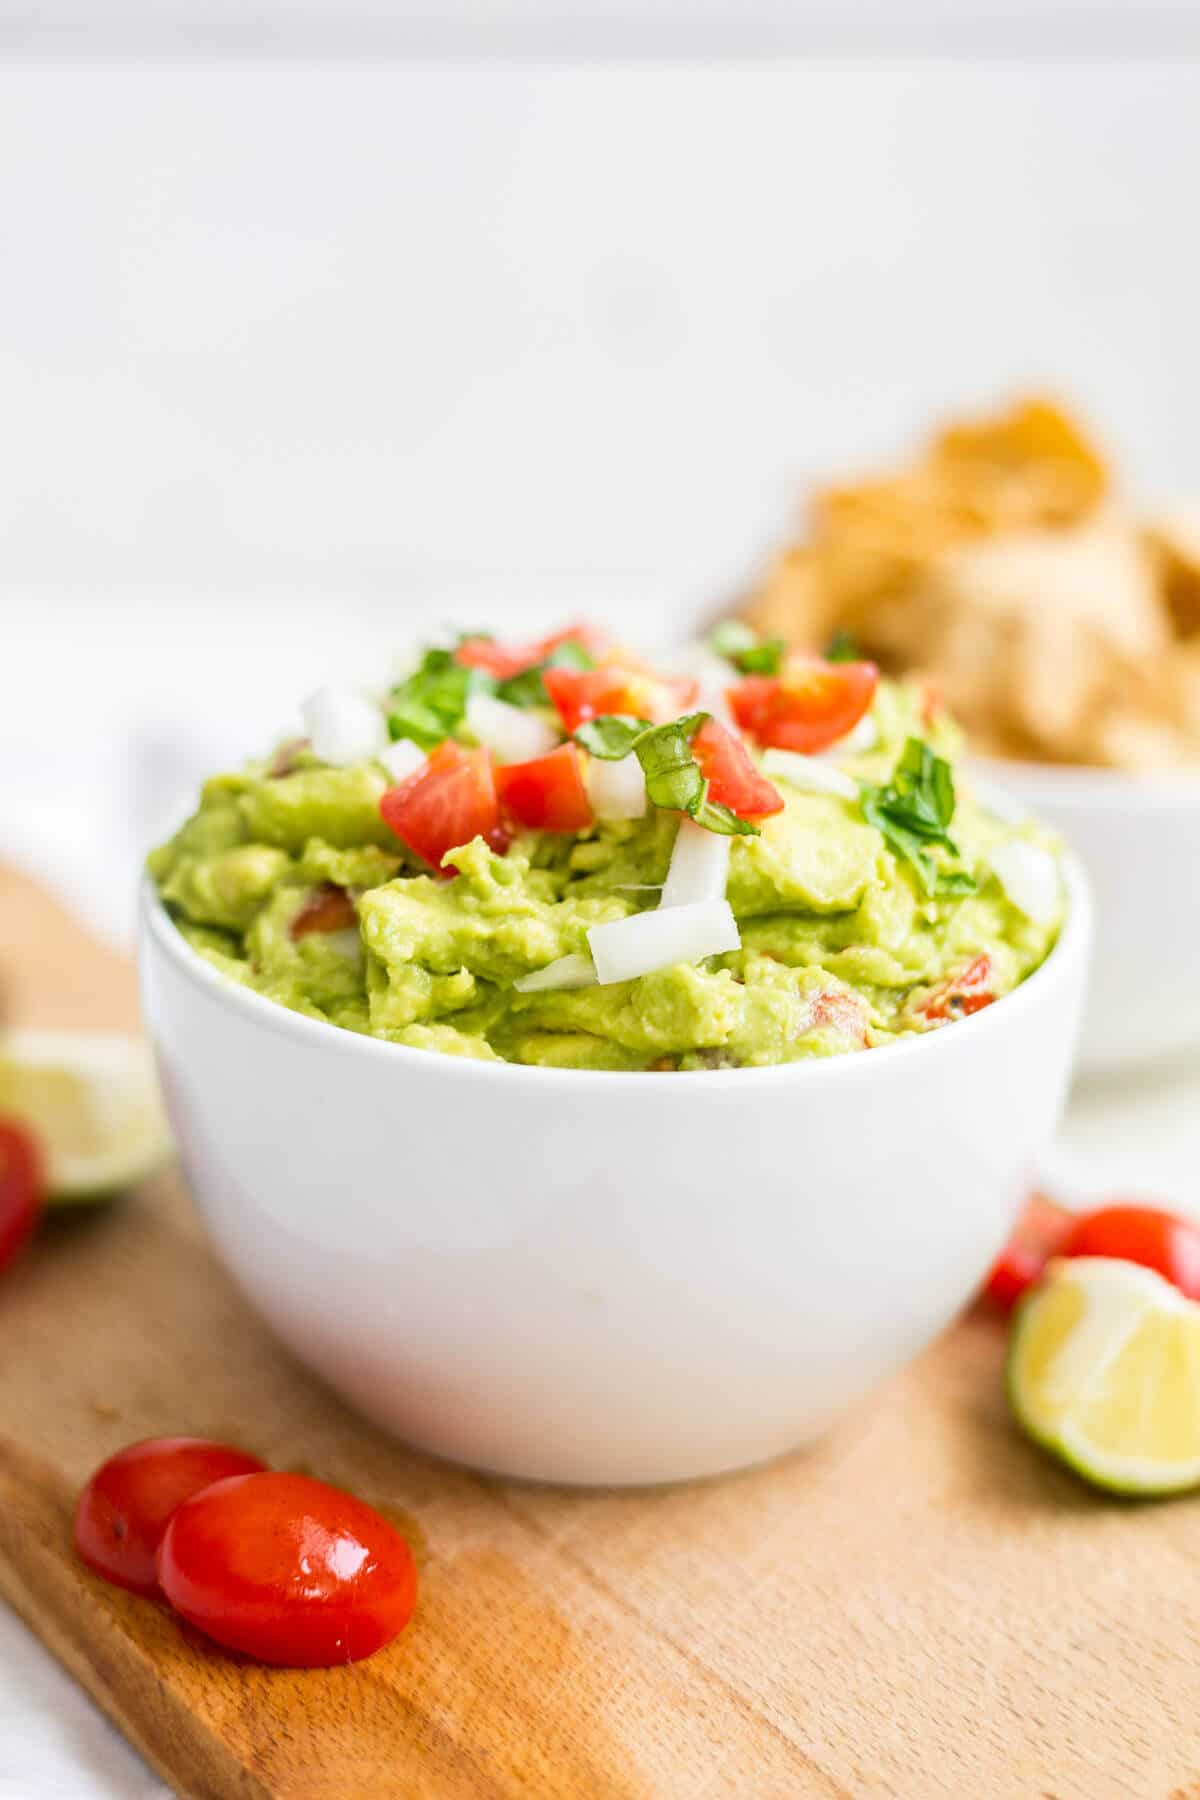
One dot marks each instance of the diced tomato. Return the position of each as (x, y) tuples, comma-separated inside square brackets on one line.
[(1140, 1234), (583, 694), (840, 1012), (449, 801), (961, 995), (931, 702), (1039, 1235), (548, 793), (328, 908), (22, 1188), (506, 660), (733, 780), (806, 707)]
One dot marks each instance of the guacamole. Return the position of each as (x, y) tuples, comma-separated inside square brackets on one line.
[(874, 901)]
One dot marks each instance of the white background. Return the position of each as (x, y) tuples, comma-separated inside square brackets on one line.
[(300, 355), (297, 358)]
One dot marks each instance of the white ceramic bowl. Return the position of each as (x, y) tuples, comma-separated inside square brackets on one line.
[(604, 1277), (1139, 838)]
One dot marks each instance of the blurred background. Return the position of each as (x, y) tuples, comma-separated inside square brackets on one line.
[(322, 324)]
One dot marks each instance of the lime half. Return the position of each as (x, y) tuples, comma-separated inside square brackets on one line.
[(92, 1101), (1104, 1371)]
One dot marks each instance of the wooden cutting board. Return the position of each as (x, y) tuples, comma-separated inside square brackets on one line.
[(921, 1606)]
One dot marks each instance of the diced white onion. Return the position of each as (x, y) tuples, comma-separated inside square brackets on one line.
[(810, 773), (627, 948), (698, 663), (616, 790), (860, 737), (401, 759), (343, 726), (513, 734), (699, 867), (1029, 876), (566, 972)]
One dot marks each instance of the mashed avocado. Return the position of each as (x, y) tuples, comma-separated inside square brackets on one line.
[(841, 946)]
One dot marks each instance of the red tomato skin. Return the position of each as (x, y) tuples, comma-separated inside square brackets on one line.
[(733, 780), (583, 694), (444, 804), (128, 1503), (328, 908), (961, 995), (22, 1188), (1140, 1234), (288, 1570), (807, 707), (505, 660), (843, 1013), (1039, 1235), (547, 793)]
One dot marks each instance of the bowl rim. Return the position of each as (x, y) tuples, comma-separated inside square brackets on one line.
[(159, 929), (1088, 785)]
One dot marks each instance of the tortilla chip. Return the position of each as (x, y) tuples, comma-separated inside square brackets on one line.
[(1051, 622), (1174, 543), (795, 601), (1032, 465)]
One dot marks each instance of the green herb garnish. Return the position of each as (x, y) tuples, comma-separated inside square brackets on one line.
[(612, 736), (913, 811), (432, 703), (842, 648), (673, 776), (744, 648), (528, 689)]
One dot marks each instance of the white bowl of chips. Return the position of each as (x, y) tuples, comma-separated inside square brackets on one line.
[(1139, 836)]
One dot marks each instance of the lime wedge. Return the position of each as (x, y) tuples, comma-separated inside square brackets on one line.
[(93, 1103), (1104, 1372)]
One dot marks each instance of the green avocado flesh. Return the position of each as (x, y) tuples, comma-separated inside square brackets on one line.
[(840, 949)]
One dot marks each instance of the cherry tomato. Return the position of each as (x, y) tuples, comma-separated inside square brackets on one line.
[(733, 780), (962, 994), (547, 793), (506, 660), (446, 803), (288, 1570), (328, 908), (1038, 1236), (582, 694), (1140, 1234), (22, 1188), (127, 1505), (807, 706)]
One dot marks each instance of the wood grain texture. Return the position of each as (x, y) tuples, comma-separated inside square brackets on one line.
[(921, 1606)]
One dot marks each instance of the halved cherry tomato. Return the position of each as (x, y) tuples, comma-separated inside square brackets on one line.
[(449, 801), (961, 995), (547, 793), (733, 780), (328, 908), (288, 1570), (22, 1188), (806, 707), (127, 1505), (1140, 1234), (505, 660), (1039, 1234), (582, 694)]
